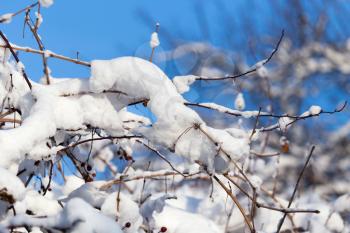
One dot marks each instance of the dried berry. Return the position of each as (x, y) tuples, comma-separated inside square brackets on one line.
[(127, 225)]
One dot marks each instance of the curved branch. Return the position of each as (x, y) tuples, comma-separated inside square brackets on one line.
[(252, 70)]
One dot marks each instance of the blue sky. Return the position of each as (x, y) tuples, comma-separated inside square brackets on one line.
[(97, 29), (109, 28)]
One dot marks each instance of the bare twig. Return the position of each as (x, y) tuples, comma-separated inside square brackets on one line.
[(255, 125), (10, 120), (161, 156), (301, 117), (255, 113), (49, 54), (152, 53), (228, 156), (289, 215), (264, 155), (20, 11), (235, 200), (260, 205), (34, 31), (50, 178), (37, 21), (252, 70), (93, 93), (143, 185), (147, 175), (8, 45), (98, 139), (295, 188), (253, 208)]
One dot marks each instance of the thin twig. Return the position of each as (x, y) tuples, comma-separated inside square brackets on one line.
[(148, 175), (264, 155), (8, 45), (253, 208), (228, 156), (232, 112), (235, 200), (161, 156), (98, 139), (255, 68), (50, 178), (54, 55), (301, 117), (144, 185), (34, 31), (260, 205), (20, 11), (4, 120), (255, 125), (153, 49), (295, 188)]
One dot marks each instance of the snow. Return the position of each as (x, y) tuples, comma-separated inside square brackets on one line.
[(239, 102), (335, 223), (284, 123), (93, 102), (6, 18), (46, 3), (154, 42), (256, 181), (77, 215), (40, 205), (11, 184), (315, 110), (143, 80), (223, 109), (263, 72), (185, 222), (260, 64), (182, 83), (91, 193), (341, 204), (152, 206), (283, 140), (48, 114), (47, 53), (72, 183), (123, 73), (126, 212), (39, 19)]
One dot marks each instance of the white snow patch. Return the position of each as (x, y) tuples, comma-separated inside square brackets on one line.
[(183, 83), (315, 110), (46, 3), (154, 42), (6, 18), (239, 102)]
